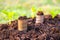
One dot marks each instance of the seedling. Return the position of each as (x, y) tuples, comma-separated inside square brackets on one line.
[(54, 13), (33, 9), (22, 24), (9, 15), (39, 17)]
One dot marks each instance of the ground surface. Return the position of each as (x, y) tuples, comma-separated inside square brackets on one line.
[(49, 30)]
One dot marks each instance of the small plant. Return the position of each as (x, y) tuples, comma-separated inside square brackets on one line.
[(9, 15), (33, 9), (54, 13)]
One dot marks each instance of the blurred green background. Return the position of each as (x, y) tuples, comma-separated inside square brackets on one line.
[(12, 9)]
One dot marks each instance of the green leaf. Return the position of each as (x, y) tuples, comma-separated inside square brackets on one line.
[(54, 13), (33, 9)]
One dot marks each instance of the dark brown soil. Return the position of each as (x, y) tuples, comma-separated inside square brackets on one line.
[(49, 30)]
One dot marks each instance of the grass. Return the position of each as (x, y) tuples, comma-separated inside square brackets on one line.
[(26, 8)]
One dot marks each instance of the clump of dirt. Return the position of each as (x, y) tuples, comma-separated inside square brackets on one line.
[(49, 30), (21, 18)]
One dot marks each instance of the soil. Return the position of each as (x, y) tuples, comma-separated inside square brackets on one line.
[(49, 30)]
